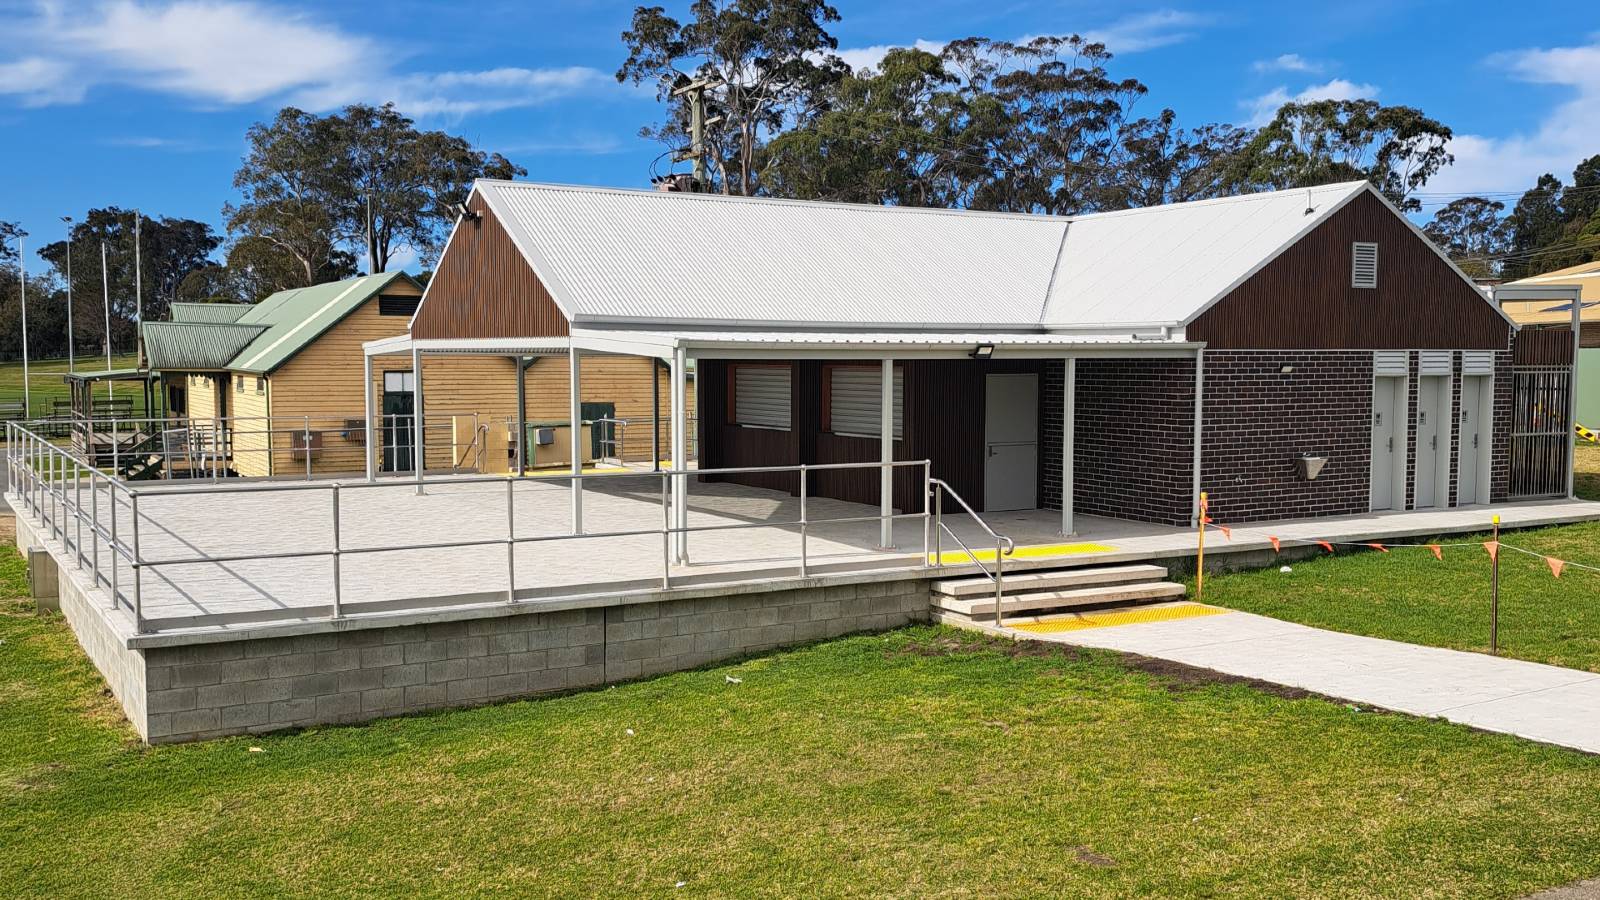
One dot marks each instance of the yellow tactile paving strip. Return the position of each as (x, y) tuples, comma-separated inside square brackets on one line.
[(1105, 618), (1037, 551)]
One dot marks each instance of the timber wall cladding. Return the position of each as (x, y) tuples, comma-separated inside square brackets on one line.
[(484, 288), (1258, 421), (1303, 299)]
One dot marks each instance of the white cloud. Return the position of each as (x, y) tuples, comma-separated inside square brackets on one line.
[(1263, 108), (1568, 133), (860, 58), (231, 52), (39, 81), (1148, 31), (1288, 62)]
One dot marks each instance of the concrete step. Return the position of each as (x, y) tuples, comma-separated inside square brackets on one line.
[(1036, 601), (1024, 582)]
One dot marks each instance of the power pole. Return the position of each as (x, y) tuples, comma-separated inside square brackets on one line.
[(696, 91)]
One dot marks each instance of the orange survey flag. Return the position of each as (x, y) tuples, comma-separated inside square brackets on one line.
[(1326, 546), (1277, 547), (1379, 547), (1438, 553), (1555, 565), (1226, 531), (1493, 547)]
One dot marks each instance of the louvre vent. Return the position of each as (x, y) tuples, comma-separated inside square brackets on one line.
[(1477, 362), (1435, 362), (1391, 362), (1363, 265), (761, 396)]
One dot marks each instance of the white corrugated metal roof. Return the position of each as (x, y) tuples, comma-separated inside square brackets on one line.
[(645, 257), (651, 256), (1166, 263)]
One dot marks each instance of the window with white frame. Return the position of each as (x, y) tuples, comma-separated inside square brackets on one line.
[(759, 396), (855, 403), (1363, 265)]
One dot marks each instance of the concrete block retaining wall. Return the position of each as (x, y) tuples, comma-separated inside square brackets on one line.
[(365, 670)]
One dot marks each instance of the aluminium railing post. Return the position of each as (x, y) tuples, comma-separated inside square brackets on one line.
[(999, 584), (94, 532), (138, 572), (803, 520), (927, 488), (111, 495), (338, 592), (938, 522), (666, 534), (77, 508), (511, 539)]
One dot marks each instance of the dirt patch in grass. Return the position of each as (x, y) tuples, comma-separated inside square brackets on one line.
[(1175, 676), (8, 528)]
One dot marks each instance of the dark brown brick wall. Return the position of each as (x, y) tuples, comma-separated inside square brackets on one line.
[(1258, 421), (1135, 439)]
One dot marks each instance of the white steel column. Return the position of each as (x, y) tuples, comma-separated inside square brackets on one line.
[(1069, 442), (680, 452), (1572, 389), (575, 432), (1199, 423), (419, 452), (886, 454), (366, 406)]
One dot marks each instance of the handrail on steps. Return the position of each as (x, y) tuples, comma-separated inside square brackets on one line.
[(1003, 545)]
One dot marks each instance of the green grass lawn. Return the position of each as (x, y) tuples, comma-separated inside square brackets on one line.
[(45, 384), (1586, 480), (920, 762), (1407, 595)]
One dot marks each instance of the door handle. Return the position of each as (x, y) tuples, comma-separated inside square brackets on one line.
[(1391, 445), (1433, 442)]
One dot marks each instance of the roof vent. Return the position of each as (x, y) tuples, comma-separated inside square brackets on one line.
[(1363, 265)]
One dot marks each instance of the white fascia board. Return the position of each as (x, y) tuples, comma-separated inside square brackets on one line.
[(1537, 292), (400, 343), (625, 343), (632, 322)]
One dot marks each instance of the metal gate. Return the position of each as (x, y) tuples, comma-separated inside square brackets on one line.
[(1541, 431)]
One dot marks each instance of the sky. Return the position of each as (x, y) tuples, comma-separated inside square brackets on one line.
[(145, 103)]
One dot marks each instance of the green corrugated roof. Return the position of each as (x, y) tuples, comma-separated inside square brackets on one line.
[(210, 313), (194, 346), (295, 318)]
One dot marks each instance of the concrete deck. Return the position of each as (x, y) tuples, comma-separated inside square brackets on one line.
[(186, 523), (1539, 702)]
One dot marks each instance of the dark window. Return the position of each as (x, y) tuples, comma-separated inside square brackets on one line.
[(397, 306)]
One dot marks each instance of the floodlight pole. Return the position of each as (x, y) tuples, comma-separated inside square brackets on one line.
[(22, 275), (70, 363)]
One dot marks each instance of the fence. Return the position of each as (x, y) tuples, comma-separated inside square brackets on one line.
[(50, 481), (1541, 431)]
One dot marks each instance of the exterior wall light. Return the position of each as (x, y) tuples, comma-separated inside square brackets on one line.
[(982, 351), (1285, 370)]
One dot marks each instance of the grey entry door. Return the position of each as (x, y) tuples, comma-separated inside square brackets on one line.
[(1011, 442), (1433, 395), (1388, 441), (1473, 440)]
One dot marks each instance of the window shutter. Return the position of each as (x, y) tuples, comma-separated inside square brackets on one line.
[(761, 396), (857, 406), (1363, 265)]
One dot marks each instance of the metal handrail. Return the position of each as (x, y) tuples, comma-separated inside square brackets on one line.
[(1004, 546), (48, 498)]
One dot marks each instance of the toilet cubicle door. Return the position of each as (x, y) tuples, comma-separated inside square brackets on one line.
[(1386, 392), (1473, 441), (1432, 452)]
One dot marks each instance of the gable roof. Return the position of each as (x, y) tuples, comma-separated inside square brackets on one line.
[(264, 335), (208, 312), (642, 258), (195, 346), (295, 318)]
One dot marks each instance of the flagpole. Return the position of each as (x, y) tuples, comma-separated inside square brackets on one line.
[(138, 293), (22, 275)]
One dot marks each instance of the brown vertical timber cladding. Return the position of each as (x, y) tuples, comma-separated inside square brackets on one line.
[(1302, 300), (484, 288), (943, 422)]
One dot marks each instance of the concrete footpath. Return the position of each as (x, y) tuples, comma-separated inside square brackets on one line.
[(1530, 700)]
